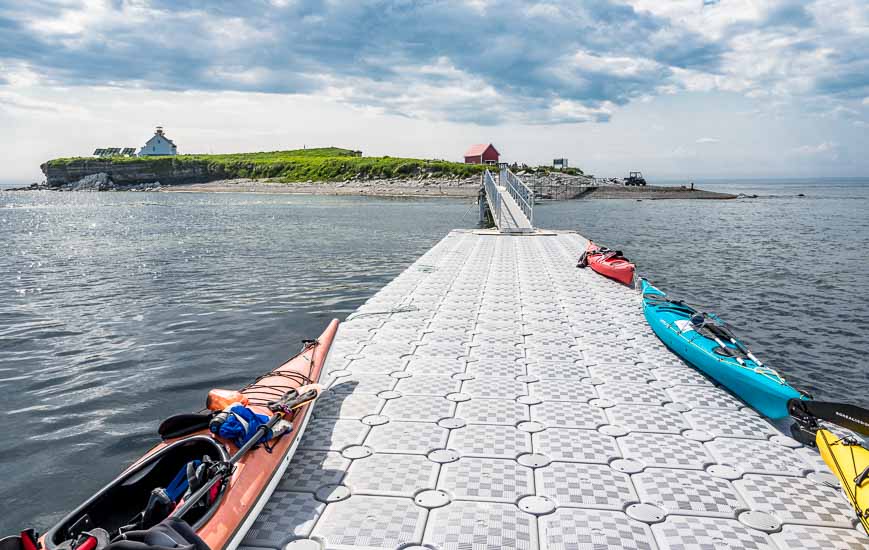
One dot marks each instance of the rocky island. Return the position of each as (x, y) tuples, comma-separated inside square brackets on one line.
[(329, 170)]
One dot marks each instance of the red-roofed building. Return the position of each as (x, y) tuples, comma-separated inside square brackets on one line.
[(483, 153)]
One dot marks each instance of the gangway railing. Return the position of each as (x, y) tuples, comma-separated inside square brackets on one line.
[(493, 196), (521, 193)]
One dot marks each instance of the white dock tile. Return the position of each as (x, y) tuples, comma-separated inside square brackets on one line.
[(518, 376)]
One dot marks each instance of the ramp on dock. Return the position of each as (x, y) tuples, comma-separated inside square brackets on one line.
[(510, 202), (495, 396)]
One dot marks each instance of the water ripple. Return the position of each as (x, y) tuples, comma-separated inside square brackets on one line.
[(117, 309)]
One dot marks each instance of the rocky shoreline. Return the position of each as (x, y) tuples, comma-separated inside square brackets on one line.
[(432, 187), (94, 182), (329, 171), (435, 187), (551, 185)]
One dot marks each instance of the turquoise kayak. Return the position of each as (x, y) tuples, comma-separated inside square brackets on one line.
[(709, 349)]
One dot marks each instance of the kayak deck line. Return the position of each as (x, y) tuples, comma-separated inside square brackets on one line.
[(768, 372), (495, 396)]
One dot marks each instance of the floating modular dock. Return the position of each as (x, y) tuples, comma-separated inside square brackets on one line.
[(495, 396)]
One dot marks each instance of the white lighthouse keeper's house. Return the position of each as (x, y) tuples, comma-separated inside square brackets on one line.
[(158, 145)]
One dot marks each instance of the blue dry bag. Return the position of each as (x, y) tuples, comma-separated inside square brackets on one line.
[(241, 424)]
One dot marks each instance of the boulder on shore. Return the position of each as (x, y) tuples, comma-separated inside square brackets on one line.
[(94, 182)]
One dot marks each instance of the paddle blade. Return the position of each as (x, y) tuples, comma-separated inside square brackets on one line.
[(183, 424), (848, 416), (306, 395), (301, 396)]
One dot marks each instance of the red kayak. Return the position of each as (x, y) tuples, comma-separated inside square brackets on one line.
[(124, 506), (609, 263)]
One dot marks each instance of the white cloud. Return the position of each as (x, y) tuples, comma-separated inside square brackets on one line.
[(828, 149), (776, 49), (594, 53), (583, 61), (729, 70), (577, 112)]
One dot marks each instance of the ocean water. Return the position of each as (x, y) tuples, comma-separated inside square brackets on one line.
[(789, 272), (119, 309)]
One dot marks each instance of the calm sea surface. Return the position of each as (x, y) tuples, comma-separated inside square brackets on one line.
[(119, 309)]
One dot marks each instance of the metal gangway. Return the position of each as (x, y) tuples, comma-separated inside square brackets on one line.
[(510, 202)]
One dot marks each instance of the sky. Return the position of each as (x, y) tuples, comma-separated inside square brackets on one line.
[(679, 89)]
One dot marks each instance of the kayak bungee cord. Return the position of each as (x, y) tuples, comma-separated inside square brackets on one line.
[(608, 262), (201, 481), (764, 371), (680, 306), (759, 367), (733, 340), (271, 393), (765, 390), (862, 515), (841, 452), (672, 321), (261, 394), (282, 406), (222, 470)]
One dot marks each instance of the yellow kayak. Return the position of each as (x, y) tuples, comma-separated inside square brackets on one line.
[(849, 461)]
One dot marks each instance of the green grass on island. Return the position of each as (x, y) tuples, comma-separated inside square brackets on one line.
[(323, 164)]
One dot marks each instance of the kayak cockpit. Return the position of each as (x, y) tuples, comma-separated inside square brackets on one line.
[(120, 505)]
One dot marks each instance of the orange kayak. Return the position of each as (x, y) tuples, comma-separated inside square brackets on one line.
[(222, 521), (610, 263)]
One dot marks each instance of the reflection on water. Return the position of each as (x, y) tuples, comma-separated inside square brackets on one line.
[(118, 309), (788, 272)]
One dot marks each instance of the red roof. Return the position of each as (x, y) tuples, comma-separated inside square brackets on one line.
[(479, 149)]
